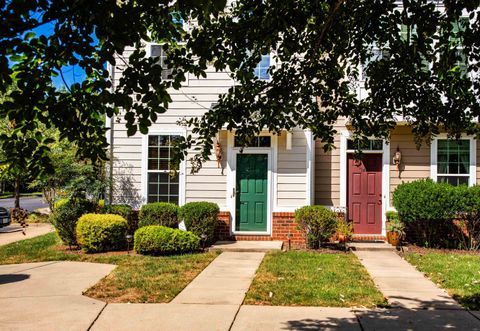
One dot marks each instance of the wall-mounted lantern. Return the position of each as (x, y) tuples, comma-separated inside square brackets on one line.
[(397, 158)]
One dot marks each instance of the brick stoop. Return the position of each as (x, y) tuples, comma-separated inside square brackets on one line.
[(368, 237)]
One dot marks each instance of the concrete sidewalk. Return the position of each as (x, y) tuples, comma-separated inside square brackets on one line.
[(14, 232), (48, 295), (402, 284)]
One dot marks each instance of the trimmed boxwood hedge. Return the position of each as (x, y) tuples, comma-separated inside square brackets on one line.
[(161, 240), (158, 213), (101, 232), (439, 214), (318, 222), (126, 212), (201, 218)]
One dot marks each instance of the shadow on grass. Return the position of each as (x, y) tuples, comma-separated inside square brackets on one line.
[(471, 302)]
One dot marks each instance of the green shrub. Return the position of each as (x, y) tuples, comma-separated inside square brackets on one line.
[(101, 232), (126, 212), (201, 218), (158, 240), (318, 222), (391, 215), (467, 217), (427, 210), (65, 216), (158, 213), (59, 203)]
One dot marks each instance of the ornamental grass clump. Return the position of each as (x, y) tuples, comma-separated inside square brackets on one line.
[(102, 232)]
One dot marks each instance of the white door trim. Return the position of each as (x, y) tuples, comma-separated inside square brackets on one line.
[(345, 135), (231, 180)]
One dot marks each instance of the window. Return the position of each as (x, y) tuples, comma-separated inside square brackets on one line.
[(162, 187), (157, 51), (370, 145), (453, 161), (258, 141), (377, 55), (261, 70)]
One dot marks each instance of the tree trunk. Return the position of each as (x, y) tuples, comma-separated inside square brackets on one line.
[(17, 192)]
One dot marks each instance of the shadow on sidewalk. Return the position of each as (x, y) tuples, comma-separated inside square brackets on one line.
[(13, 278)]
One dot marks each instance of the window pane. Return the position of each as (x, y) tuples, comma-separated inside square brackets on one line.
[(163, 164), (152, 164), (163, 189), (453, 180), (152, 140), (369, 145), (453, 157), (258, 141), (377, 145), (264, 141), (174, 199), (262, 67), (164, 152)]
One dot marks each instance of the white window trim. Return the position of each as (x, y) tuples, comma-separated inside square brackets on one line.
[(472, 178), (231, 179), (345, 135), (182, 170)]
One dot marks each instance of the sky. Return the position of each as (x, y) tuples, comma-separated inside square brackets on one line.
[(72, 74)]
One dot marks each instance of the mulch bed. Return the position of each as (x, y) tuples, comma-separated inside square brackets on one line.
[(78, 251)]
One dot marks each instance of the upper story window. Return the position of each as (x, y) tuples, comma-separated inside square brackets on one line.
[(261, 70), (377, 55), (453, 161), (157, 51), (162, 186)]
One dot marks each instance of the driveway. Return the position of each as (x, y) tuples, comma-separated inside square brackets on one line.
[(28, 203), (48, 295)]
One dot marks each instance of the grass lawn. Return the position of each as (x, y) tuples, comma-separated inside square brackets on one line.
[(455, 271), (299, 278), (136, 279)]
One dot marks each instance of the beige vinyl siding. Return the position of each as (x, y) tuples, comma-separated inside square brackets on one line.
[(292, 170), (209, 184), (415, 162), (327, 171), (192, 100)]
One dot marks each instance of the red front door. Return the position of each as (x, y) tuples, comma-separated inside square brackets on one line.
[(365, 193)]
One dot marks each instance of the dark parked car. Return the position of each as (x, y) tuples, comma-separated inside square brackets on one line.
[(4, 217)]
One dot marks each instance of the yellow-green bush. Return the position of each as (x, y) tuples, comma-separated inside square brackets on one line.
[(158, 240), (101, 232)]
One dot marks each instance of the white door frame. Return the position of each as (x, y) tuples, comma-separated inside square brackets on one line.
[(232, 180), (345, 135)]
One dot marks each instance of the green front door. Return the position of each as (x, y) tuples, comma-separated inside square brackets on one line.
[(251, 192)]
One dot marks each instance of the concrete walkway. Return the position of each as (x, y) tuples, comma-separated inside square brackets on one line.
[(210, 302), (402, 284), (48, 295), (14, 232)]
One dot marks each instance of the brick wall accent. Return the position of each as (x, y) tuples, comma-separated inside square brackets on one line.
[(222, 231), (284, 228)]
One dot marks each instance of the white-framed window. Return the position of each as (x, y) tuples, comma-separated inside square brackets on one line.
[(157, 51), (162, 184), (261, 70), (377, 55), (453, 161)]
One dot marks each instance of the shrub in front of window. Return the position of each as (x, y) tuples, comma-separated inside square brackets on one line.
[(161, 240), (65, 217), (126, 212), (158, 213), (201, 218), (101, 232), (317, 222), (427, 210)]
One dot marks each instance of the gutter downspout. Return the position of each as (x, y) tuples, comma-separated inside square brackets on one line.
[(111, 140)]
